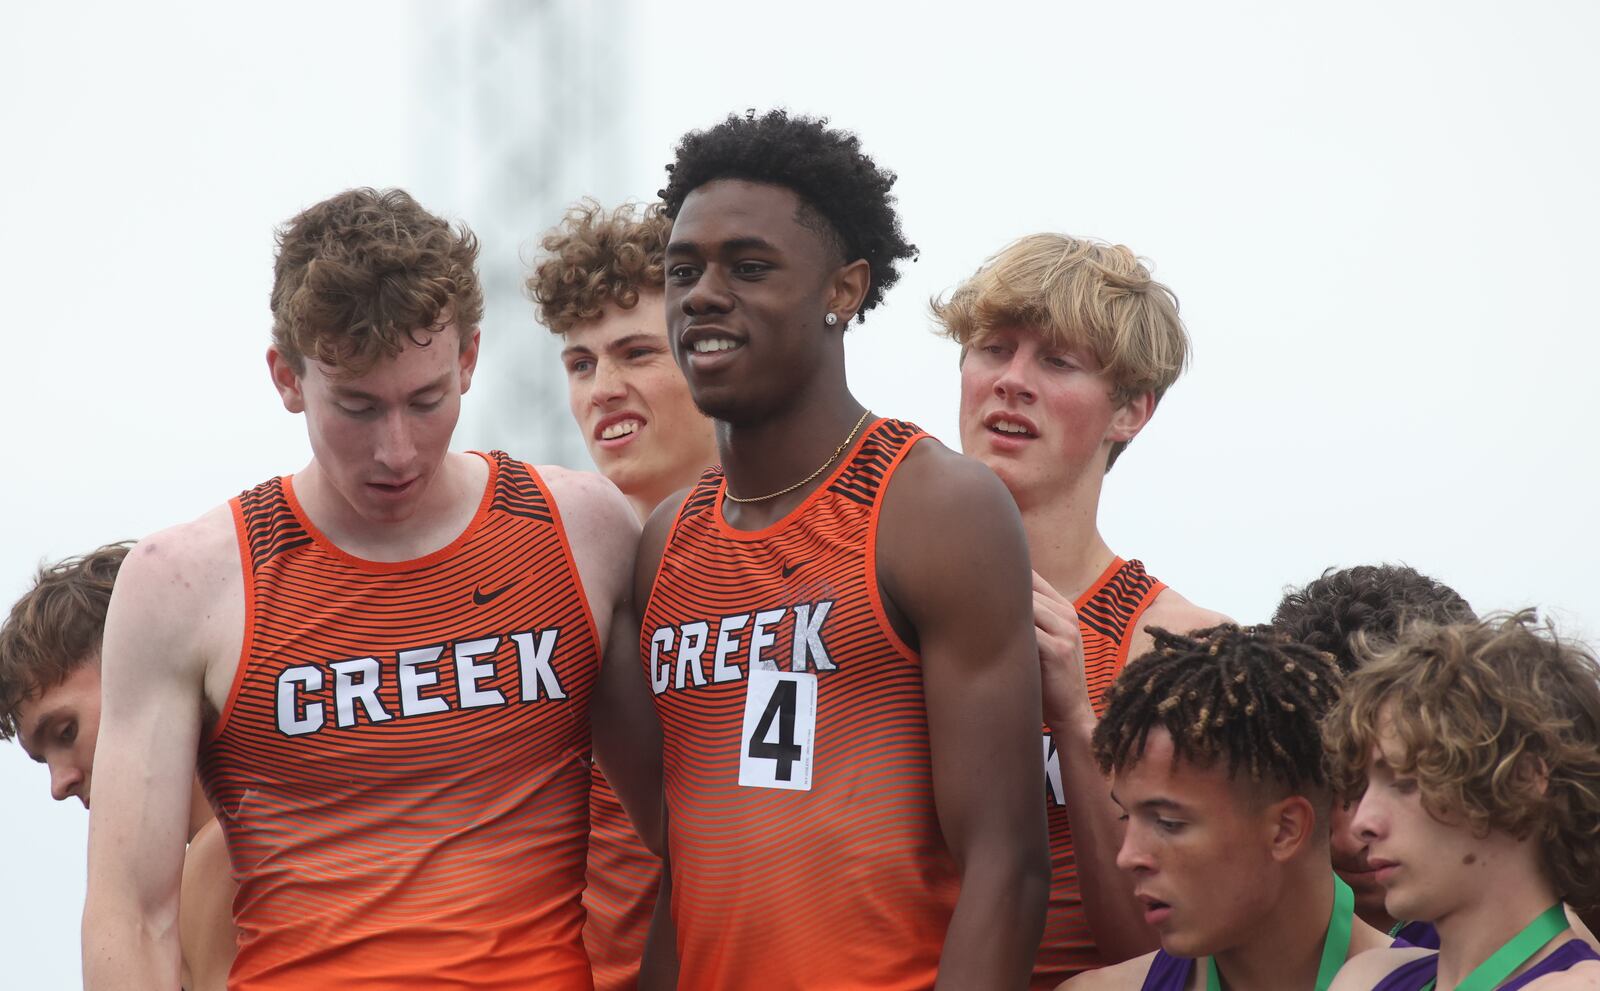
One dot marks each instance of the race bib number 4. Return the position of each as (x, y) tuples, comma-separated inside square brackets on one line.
[(780, 729)]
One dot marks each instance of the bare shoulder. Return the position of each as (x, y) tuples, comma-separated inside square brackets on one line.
[(1363, 971), (588, 501), (934, 480), (602, 532), (180, 575), (1127, 974), (1171, 611), (1583, 976)]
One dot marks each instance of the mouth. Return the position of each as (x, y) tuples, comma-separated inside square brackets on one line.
[(1010, 426), (1382, 870), (618, 429), (709, 347), (392, 490), (1156, 912)]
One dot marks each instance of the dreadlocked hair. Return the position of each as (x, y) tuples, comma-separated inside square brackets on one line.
[(1249, 697)]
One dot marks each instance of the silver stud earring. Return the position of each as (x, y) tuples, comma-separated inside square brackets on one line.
[(830, 319)]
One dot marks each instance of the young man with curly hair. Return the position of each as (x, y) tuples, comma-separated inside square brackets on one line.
[(838, 631), (1475, 749), (1347, 613), (599, 286), (50, 702), (386, 665), (1067, 345), (1214, 748)]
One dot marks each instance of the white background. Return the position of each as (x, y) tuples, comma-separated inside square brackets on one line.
[(1380, 219)]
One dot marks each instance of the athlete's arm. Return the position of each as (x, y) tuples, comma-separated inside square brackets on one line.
[(604, 535), (205, 915), (659, 969), (1115, 917), (953, 560), (153, 675)]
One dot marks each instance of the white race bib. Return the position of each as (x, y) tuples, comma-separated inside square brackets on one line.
[(780, 729)]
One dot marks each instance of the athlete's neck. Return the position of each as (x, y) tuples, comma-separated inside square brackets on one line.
[(442, 513), (1285, 947), (1508, 897), (767, 455), (1064, 541)]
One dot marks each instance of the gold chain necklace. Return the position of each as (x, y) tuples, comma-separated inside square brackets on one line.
[(820, 468)]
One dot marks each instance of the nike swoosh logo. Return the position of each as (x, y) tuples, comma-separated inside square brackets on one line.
[(483, 598), (789, 569)]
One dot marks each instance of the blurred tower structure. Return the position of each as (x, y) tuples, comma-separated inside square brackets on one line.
[(527, 101)]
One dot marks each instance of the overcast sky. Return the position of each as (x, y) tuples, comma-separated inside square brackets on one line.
[(1379, 219)]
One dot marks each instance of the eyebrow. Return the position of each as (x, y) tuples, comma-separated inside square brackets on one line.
[(1161, 805), (345, 392), (750, 243), (40, 730)]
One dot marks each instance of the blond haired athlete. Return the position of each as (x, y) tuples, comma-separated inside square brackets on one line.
[(383, 661), (599, 286), (1067, 345)]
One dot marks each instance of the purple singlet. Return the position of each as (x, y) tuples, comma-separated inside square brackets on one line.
[(1416, 974), (1421, 935), (1167, 973)]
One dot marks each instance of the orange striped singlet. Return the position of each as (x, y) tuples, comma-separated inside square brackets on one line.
[(1108, 616), (402, 767), (623, 877), (804, 846)]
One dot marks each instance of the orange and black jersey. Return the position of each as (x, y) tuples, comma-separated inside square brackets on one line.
[(402, 767), (802, 834), (1108, 616)]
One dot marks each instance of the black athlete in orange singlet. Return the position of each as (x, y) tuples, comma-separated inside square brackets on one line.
[(838, 632)]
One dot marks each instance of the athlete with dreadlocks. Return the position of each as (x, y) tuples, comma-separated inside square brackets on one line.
[(1476, 751), (1067, 345), (1345, 613), (1215, 756)]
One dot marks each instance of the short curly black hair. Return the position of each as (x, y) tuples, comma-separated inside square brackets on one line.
[(825, 167), (1368, 604)]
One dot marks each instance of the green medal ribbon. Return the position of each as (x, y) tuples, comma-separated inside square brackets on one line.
[(1335, 945), (1521, 947)]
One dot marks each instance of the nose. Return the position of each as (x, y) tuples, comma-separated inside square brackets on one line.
[(608, 384), (1014, 382), (709, 294), (1132, 857), (66, 780), (395, 450), (1368, 822)]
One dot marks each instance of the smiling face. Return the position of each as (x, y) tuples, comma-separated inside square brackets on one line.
[(1428, 868), (1191, 850), (380, 437), (59, 728), (1041, 417), (633, 405), (747, 288)]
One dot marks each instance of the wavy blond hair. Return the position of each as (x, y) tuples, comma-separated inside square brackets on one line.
[(1499, 721), (1079, 293), (595, 258)]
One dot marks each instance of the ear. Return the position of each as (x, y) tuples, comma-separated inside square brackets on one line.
[(847, 289), (468, 360), (289, 383), (1290, 824), (1131, 417)]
